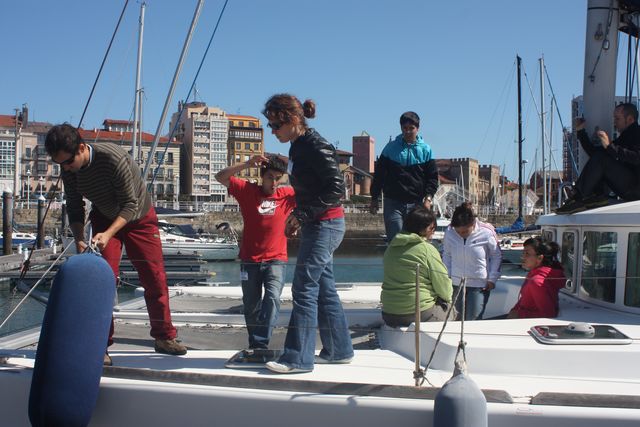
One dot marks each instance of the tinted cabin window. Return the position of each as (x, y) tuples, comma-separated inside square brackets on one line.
[(632, 283), (599, 265)]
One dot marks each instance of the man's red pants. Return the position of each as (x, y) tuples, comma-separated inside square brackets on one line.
[(141, 238)]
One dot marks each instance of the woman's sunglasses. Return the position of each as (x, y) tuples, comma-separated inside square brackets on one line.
[(275, 126)]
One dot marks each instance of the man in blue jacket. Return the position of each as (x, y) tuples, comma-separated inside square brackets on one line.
[(406, 173)]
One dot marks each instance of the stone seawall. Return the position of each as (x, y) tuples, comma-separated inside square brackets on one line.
[(359, 225)]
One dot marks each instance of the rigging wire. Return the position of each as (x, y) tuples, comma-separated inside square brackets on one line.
[(191, 88), (52, 193), (546, 137), (508, 84), (104, 60), (555, 101), (118, 78)]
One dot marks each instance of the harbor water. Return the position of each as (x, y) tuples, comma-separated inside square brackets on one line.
[(347, 268)]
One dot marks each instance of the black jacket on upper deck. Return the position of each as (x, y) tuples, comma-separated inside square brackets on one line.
[(625, 148), (315, 176)]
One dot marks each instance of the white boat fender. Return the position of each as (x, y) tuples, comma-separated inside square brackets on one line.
[(460, 402), (72, 344)]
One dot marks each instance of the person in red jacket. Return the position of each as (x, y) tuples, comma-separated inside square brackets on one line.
[(539, 293)]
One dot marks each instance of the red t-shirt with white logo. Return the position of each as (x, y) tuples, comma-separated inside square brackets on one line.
[(264, 219)]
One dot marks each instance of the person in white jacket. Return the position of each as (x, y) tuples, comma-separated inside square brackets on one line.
[(471, 252)]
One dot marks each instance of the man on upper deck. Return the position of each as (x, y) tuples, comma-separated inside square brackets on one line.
[(613, 165)]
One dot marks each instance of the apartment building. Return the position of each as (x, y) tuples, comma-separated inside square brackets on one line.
[(204, 132), (246, 138), (164, 170)]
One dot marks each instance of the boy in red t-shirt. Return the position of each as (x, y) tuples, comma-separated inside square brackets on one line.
[(263, 250)]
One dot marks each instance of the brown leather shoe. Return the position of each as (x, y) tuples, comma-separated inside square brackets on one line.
[(172, 347), (107, 360)]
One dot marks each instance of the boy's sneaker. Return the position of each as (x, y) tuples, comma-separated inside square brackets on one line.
[(283, 368), (322, 361), (107, 360), (571, 206), (171, 347)]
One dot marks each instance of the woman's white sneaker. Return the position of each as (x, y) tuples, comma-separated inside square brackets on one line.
[(283, 368)]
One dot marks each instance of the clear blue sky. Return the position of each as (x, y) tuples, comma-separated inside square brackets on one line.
[(364, 62)]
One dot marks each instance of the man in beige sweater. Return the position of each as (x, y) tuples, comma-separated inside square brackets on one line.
[(121, 214)]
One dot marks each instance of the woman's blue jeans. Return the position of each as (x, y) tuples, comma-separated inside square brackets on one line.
[(316, 303), (475, 302)]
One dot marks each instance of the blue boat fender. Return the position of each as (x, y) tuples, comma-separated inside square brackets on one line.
[(460, 403), (73, 341)]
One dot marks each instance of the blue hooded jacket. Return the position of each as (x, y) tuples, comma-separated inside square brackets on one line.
[(405, 172)]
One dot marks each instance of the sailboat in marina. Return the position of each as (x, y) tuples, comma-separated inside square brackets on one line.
[(576, 369)]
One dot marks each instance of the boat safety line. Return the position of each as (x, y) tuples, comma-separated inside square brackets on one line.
[(460, 288)]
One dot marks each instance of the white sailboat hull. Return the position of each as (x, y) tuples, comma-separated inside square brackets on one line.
[(197, 390), (208, 251)]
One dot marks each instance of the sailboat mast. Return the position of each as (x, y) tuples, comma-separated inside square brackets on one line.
[(138, 97), (167, 102), (601, 52), (549, 181), (519, 62), (544, 171)]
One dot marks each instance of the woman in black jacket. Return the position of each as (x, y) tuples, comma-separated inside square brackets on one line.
[(319, 186)]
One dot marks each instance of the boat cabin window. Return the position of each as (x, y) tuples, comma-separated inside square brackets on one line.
[(632, 283), (568, 254), (599, 259)]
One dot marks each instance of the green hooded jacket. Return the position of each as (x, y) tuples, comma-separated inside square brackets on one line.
[(398, 288)]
